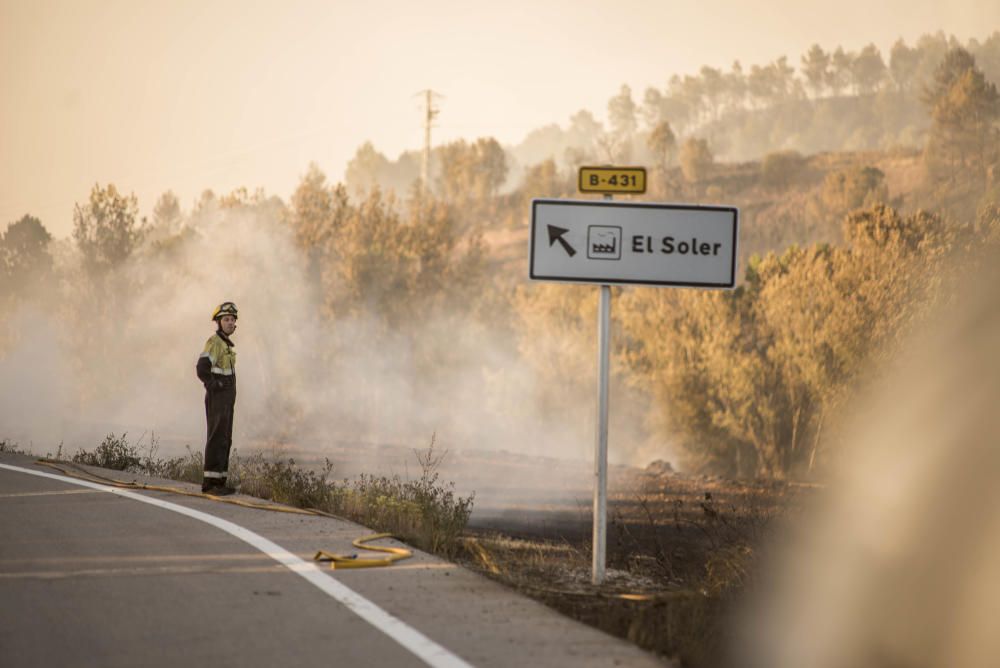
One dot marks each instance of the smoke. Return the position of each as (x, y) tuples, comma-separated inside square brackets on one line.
[(35, 382), (119, 356), (899, 562)]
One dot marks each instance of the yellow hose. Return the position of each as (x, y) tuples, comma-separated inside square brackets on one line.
[(336, 560), (352, 560)]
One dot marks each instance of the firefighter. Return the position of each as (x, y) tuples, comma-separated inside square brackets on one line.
[(217, 370)]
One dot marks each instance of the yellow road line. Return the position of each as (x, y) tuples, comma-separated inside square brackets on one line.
[(59, 493), (125, 572)]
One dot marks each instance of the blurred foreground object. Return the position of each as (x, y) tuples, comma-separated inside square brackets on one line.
[(899, 562)]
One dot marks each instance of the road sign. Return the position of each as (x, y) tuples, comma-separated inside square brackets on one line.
[(583, 241), (612, 180)]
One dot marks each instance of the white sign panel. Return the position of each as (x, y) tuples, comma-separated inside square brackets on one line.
[(589, 241)]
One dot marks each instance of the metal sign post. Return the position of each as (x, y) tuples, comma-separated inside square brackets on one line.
[(600, 539), (632, 243)]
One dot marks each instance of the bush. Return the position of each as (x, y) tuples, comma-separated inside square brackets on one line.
[(113, 453), (285, 482), (423, 511), (848, 189), (696, 160), (782, 169), (7, 446)]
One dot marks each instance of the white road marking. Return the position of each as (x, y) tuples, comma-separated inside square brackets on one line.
[(420, 645)]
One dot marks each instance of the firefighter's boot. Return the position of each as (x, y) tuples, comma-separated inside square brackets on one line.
[(216, 487)]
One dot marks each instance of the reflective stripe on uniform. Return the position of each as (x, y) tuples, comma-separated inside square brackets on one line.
[(221, 355), (216, 474)]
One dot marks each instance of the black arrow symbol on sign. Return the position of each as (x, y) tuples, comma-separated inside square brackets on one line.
[(556, 234)]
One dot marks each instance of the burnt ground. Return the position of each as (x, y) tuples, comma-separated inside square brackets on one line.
[(681, 549)]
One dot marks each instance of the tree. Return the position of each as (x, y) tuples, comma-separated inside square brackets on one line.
[(954, 64), (931, 50), (471, 174), (167, 212), (490, 165), (542, 180), (652, 108), (675, 105), (370, 260), (106, 229), (107, 233), (691, 91), (736, 86), (696, 159), (622, 118), (621, 113), (206, 201), (964, 108), (782, 168), (315, 216), (662, 143), (398, 269), (840, 71), (815, 68), (773, 83), (746, 380), (24, 256), (583, 130), (988, 56), (852, 188), (785, 85), (903, 62), (366, 170), (714, 89), (868, 70), (759, 86)]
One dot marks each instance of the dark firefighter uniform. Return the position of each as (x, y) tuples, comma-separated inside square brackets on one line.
[(217, 370)]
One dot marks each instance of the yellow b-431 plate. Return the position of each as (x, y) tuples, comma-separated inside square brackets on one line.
[(612, 179)]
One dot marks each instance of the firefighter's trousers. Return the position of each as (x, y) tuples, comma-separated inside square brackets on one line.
[(220, 400)]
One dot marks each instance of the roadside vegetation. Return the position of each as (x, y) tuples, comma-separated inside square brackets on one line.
[(12, 448), (424, 512)]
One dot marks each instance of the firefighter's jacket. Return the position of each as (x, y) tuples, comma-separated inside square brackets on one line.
[(217, 364)]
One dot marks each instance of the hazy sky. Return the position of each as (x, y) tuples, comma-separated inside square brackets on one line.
[(187, 95)]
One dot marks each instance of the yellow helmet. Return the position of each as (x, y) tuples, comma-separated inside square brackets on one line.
[(225, 308)]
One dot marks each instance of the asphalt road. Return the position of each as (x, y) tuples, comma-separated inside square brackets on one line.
[(90, 578)]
